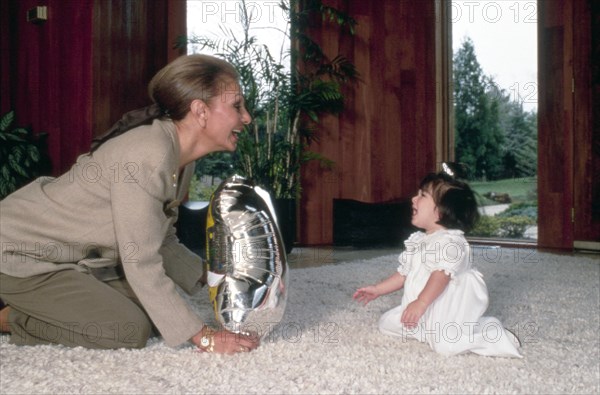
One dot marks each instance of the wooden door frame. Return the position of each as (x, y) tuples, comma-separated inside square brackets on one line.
[(558, 173), (555, 125), (586, 130), (444, 83)]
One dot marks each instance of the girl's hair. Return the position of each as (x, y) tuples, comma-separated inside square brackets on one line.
[(455, 201), (173, 89)]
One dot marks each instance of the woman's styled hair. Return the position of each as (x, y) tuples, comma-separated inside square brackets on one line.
[(188, 78), (455, 201), (173, 89)]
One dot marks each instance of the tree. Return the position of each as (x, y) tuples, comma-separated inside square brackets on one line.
[(479, 137), (215, 165), (519, 151), (520, 158)]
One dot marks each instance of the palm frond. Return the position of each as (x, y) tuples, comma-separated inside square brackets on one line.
[(285, 102)]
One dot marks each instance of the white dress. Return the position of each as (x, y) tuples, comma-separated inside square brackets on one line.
[(454, 322)]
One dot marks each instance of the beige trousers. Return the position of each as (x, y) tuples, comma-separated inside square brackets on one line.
[(74, 309)]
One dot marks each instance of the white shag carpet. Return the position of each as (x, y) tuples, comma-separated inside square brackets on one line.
[(328, 344)]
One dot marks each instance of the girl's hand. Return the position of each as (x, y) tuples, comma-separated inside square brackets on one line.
[(413, 313), (438, 280), (366, 294), (224, 342)]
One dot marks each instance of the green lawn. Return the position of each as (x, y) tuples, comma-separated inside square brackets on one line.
[(519, 189)]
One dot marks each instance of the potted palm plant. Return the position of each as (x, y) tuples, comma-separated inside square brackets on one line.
[(286, 93), (23, 155)]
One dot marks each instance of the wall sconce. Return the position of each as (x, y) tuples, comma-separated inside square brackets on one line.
[(37, 14)]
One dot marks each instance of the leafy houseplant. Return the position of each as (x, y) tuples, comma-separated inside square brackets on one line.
[(286, 94), (21, 155)]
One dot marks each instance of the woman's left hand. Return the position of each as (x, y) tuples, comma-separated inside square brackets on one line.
[(224, 342)]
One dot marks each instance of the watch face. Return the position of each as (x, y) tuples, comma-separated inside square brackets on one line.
[(204, 341)]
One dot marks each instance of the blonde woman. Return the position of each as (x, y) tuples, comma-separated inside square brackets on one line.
[(90, 258)]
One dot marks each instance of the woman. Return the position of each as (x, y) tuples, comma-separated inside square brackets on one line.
[(91, 258)]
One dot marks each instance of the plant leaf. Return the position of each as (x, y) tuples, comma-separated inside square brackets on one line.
[(6, 121)]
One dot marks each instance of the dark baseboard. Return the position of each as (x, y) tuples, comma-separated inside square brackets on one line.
[(360, 224)]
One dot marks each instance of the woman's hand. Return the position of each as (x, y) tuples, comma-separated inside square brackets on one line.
[(413, 313), (366, 294), (223, 341)]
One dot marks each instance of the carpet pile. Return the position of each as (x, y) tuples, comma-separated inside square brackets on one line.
[(328, 344)]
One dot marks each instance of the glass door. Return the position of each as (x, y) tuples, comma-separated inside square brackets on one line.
[(495, 96)]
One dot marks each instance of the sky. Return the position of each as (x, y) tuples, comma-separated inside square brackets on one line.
[(268, 21), (504, 33)]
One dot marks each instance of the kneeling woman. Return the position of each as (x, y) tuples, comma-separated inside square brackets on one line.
[(91, 258)]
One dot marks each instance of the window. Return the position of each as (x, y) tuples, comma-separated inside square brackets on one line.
[(492, 115)]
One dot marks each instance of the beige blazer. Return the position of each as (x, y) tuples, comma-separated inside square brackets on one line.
[(116, 206)]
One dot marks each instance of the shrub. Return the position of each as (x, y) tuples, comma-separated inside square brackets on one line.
[(514, 227), (525, 209), (487, 226), (199, 191)]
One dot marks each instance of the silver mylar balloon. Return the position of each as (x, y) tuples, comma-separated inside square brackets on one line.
[(247, 274)]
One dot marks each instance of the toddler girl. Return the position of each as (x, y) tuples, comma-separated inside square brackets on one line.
[(444, 297)]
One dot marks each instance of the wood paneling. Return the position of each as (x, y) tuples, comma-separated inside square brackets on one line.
[(586, 166), (384, 142), (77, 73), (555, 127), (594, 170), (568, 150), (50, 74), (129, 48), (176, 26)]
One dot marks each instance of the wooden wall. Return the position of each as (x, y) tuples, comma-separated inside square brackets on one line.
[(568, 133), (384, 142), (586, 127), (555, 127), (47, 73), (132, 40), (75, 74)]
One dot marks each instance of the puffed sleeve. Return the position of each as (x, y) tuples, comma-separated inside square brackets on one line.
[(447, 250), (411, 249)]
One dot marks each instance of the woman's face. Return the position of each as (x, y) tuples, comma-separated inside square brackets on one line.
[(226, 116), (425, 214)]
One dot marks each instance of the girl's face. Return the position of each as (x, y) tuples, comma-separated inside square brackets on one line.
[(225, 117), (424, 212)]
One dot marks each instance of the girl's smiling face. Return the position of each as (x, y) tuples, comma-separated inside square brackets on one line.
[(425, 214)]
